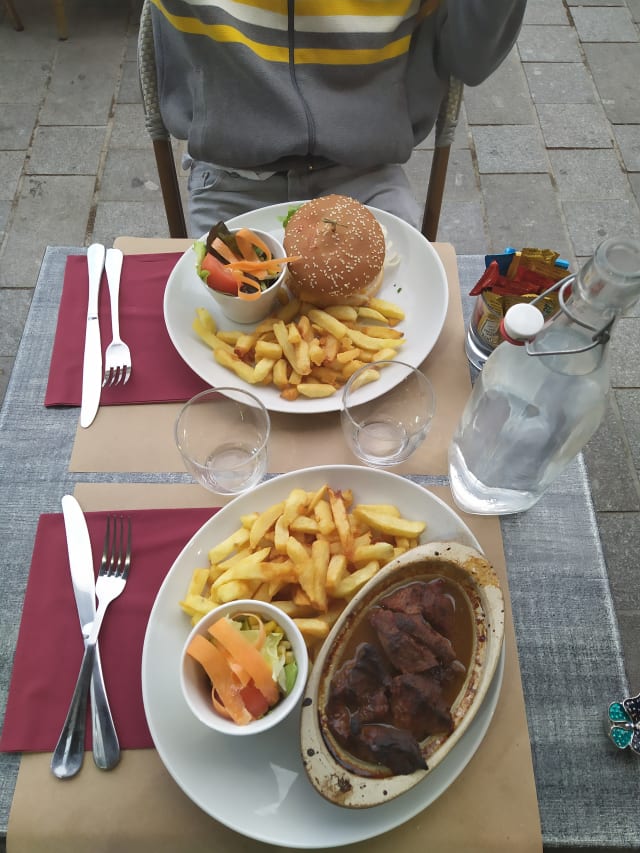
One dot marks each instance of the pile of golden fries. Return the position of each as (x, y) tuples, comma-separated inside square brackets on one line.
[(307, 351), (308, 554)]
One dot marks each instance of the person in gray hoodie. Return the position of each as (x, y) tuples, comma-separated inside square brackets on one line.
[(285, 100)]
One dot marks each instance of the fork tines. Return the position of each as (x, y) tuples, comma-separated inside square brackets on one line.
[(116, 556), (116, 375)]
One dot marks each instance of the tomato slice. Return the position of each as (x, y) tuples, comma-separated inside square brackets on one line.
[(254, 701), (219, 278)]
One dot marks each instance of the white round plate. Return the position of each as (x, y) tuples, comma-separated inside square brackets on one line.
[(418, 284), (257, 786)]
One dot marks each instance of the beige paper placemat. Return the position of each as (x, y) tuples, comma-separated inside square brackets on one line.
[(140, 438), (137, 807)]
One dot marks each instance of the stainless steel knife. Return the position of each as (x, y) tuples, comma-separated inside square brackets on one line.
[(92, 364), (68, 757)]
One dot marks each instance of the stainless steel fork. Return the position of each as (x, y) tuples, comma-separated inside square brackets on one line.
[(117, 360), (114, 570)]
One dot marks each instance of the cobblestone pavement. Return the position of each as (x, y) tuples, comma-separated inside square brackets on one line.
[(547, 154)]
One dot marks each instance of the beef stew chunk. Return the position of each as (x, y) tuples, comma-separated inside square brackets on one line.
[(393, 747), (430, 600), (418, 705), (389, 696)]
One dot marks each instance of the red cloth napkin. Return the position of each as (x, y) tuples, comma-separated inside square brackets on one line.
[(159, 374), (49, 648)]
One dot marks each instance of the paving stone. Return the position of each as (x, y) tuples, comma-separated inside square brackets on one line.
[(11, 163), (23, 82), (628, 400), (611, 476), (130, 175), (620, 533), (131, 219), (625, 354), (634, 8), (85, 16), (502, 99), (574, 126), (628, 139), (545, 12), (128, 129), (589, 222), (616, 71), (6, 366), (66, 151), (628, 621), (634, 180), (129, 91), (17, 123), (14, 307), (589, 174), (462, 223), (560, 83), (509, 148), (5, 210), (461, 184), (600, 24), (523, 210), (81, 92), (131, 41), (544, 43), (51, 211), (571, 3), (34, 43)]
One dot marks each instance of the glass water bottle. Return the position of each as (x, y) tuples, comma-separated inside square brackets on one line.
[(542, 393)]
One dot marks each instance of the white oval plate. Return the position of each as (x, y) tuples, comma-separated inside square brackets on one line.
[(418, 284), (258, 786)]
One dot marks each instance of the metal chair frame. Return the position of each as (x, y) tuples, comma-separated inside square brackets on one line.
[(445, 129)]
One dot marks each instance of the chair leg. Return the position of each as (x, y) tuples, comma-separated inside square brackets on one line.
[(13, 15), (435, 192), (61, 19), (170, 187)]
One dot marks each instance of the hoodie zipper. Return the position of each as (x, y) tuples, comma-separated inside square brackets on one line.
[(311, 129)]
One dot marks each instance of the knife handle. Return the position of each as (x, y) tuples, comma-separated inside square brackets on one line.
[(106, 748), (69, 752)]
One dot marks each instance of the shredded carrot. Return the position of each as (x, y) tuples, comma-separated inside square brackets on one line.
[(256, 266), (249, 295), (222, 679), (223, 250), (247, 240), (248, 656), (255, 623)]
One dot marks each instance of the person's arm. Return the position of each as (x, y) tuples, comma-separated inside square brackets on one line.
[(475, 36)]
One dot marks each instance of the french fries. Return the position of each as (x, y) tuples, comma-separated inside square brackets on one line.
[(308, 554), (306, 351)]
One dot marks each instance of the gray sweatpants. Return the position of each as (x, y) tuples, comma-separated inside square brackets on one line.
[(216, 194)]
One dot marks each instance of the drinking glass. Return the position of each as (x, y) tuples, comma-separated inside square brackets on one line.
[(384, 429), (222, 435)]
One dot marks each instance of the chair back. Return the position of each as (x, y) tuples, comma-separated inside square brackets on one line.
[(445, 129)]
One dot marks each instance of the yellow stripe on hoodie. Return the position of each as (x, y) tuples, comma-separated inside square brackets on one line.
[(224, 33)]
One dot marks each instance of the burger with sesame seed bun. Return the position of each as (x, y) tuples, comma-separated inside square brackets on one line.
[(341, 247)]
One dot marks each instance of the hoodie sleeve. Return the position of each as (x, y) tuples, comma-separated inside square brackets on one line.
[(475, 36)]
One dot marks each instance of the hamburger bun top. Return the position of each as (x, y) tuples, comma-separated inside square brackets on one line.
[(341, 247)]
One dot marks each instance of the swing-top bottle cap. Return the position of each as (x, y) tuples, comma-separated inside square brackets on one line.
[(522, 322)]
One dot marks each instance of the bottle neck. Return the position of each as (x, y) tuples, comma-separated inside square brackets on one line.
[(574, 340)]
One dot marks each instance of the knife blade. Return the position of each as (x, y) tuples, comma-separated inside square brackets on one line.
[(92, 363), (106, 749)]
